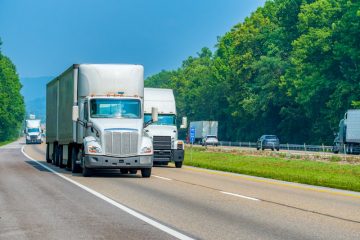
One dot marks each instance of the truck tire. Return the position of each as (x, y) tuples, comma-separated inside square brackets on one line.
[(146, 172), (133, 171), (87, 172), (124, 171), (75, 168), (57, 155), (53, 155), (178, 164), (48, 160), (61, 165)]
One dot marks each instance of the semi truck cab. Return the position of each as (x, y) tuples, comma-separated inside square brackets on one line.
[(111, 127), (164, 133), (95, 119)]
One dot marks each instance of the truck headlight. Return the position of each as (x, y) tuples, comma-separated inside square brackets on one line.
[(28, 137), (145, 159), (94, 149), (180, 145), (39, 136), (146, 150)]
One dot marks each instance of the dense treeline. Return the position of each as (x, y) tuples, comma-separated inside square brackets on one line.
[(292, 68), (12, 108)]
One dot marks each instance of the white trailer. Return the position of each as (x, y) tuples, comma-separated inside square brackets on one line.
[(33, 130), (94, 119), (163, 133), (204, 129), (348, 138)]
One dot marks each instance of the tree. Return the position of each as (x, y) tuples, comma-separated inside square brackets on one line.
[(12, 108)]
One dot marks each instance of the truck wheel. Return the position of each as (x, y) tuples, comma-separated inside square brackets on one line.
[(53, 155), (57, 155), (178, 164), (124, 171), (61, 165), (133, 171), (86, 172), (48, 160), (146, 172), (75, 168)]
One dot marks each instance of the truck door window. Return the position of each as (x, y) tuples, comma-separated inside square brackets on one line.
[(86, 111)]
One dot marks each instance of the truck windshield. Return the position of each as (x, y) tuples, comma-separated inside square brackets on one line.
[(163, 119), (33, 130), (115, 108)]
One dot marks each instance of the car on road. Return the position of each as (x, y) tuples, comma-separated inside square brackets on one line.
[(268, 142), (210, 140)]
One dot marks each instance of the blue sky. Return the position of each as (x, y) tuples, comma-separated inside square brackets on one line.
[(44, 37)]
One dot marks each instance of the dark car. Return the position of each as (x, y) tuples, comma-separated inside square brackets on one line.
[(268, 142)]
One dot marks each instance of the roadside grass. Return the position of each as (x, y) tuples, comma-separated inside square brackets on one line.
[(327, 174), (6, 142)]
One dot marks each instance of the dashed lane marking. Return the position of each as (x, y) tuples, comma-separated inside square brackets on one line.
[(138, 215), (240, 196), (163, 178)]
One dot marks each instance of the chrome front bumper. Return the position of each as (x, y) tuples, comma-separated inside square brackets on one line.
[(107, 162)]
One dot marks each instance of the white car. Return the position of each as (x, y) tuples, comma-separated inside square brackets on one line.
[(210, 140)]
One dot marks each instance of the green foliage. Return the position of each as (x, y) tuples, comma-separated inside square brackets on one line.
[(11, 102), (291, 69)]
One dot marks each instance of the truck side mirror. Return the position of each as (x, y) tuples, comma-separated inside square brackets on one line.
[(25, 131), (75, 113), (184, 122), (154, 114)]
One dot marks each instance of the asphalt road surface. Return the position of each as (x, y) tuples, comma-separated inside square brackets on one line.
[(41, 201)]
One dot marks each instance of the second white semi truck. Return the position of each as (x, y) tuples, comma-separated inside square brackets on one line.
[(203, 129), (164, 133), (33, 130), (348, 138), (95, 119)]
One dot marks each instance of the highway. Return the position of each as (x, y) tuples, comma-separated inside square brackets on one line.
[(41, 201)]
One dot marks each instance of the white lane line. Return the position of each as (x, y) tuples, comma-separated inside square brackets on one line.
[(240, 196), (164, 178), (153, 223)]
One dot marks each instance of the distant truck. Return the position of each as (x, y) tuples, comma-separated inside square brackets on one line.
[(95, 120), (33, 130), (348, 137), (204, 129), (164, 132)]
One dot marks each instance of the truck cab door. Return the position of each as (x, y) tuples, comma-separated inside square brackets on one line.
[(81, 129)]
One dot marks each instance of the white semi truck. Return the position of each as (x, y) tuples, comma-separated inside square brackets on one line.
[(204, 129), (33, 130), (348, 138), (164, 132), (95, 119)]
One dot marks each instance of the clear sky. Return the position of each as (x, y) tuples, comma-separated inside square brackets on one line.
[(44, 37)]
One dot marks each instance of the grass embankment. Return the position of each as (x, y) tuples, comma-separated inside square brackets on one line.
[(6, 142), (328, 174)]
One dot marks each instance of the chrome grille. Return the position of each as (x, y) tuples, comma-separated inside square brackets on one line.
[(162, 142), (121, 143), (162, 148)]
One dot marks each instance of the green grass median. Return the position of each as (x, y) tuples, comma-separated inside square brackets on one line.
[(327, 174)]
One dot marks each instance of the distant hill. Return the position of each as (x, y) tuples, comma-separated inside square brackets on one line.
[(34, 92)]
